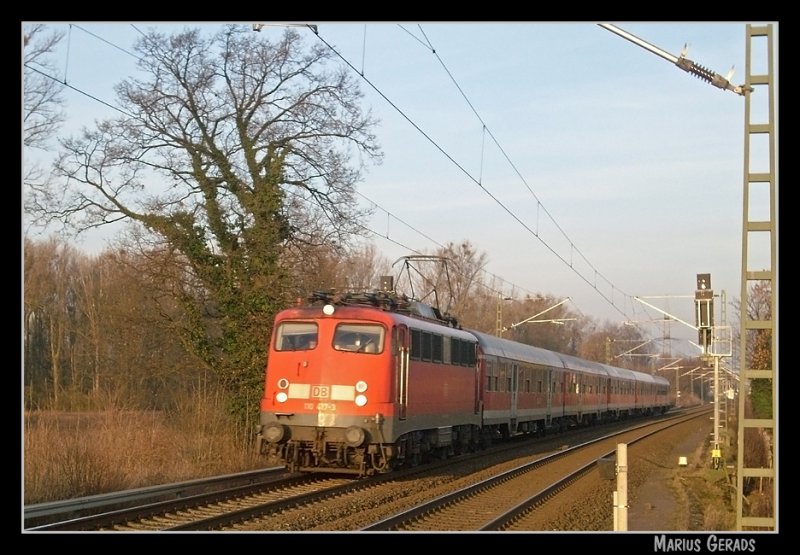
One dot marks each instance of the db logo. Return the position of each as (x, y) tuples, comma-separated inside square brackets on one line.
[(320, 391)]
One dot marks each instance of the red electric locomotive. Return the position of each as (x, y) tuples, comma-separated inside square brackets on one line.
[(362, 383)]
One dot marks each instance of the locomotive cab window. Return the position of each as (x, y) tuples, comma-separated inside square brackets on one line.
[(359, 338), (296, 336)]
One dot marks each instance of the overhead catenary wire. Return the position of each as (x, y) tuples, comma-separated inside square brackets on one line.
[(485, 130), (478, 182), (389, 214)]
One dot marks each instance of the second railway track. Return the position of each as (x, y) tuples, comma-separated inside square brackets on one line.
[(340, 504)]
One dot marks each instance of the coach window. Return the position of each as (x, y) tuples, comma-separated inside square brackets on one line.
[(296, 336), (359, 338)]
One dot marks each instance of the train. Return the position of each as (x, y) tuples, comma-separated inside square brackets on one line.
[(364, 383)]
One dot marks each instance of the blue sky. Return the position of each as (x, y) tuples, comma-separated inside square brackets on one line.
[(584, 166)]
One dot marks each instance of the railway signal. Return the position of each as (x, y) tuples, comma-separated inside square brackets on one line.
[(704, 310)]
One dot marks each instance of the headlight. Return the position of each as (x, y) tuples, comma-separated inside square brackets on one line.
[(281, 396), (361, 386), (283, 383), (361, 400)]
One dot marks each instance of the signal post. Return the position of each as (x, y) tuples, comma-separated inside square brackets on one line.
[(715, 344)]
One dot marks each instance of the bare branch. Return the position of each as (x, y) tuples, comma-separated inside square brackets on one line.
[(42, 94)]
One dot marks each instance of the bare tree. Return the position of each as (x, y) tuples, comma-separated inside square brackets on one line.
[(447, 279), (50, 318), (344, 270), (365, 266), (563, 335), (235, 151), (42, 102), (41, 93), (611, 343), (466, 267)]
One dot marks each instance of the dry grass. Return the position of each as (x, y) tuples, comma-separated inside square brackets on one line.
[(69, 455), (716, 518), (711, 500), (704, 495)]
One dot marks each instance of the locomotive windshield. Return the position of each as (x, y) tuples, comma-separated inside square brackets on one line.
[(359, 338), (296, 336)]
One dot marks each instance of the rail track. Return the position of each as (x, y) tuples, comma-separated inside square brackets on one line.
[(501, 502), (276, 500)]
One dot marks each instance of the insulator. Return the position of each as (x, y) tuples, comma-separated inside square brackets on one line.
[(703, 73)]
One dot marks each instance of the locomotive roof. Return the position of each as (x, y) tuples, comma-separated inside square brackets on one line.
[(381, 306), (388, 301)]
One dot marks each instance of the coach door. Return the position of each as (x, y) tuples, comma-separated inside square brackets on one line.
[(401, 358), (480, 379), (514, 395)]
